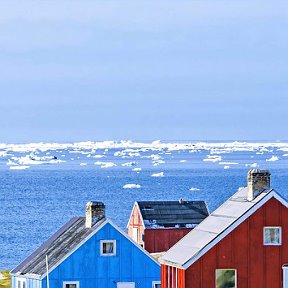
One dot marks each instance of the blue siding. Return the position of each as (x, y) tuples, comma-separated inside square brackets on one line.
[(92, 270)]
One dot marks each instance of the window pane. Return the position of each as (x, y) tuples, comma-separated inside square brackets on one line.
[(71, 286), (225, 278), (272, 235), (108, 247)]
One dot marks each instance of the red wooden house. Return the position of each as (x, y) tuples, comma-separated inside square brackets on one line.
[(243, 243), (158, 225)]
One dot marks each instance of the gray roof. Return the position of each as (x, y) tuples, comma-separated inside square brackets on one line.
[(210, 231), (172, 213), (64, 241)]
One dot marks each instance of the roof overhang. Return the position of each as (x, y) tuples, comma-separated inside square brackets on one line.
[(219, 237)]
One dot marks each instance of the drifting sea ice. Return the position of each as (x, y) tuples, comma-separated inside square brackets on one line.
[(136, 169), (253, 165), (213, 158), (228, 163), (272, 159), (105, 164), (129, 164), (18, 167), (160, 174), (131, 186), (98, 156), (194, 189)]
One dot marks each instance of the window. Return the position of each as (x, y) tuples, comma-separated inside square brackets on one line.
[(226, 278), (71, 284), (125, 285), (272, 235), (21, 283), (156, 284), (108, 247)]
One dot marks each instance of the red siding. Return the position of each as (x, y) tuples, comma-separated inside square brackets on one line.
[(181, 278), (164, 274), (155, 240), (161, 239), (257, 265)]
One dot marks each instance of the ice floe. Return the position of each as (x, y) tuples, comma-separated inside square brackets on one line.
[(33, 160), (253, 165), (213, 158), (98, 156), (272, 159), (131, 186), (18, 167), (137, 169), (129, 164), (228, 163), (105, 164), (194, 189), (158, 162), (160, 174)]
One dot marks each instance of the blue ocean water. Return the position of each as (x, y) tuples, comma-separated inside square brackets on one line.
[(38, 200)]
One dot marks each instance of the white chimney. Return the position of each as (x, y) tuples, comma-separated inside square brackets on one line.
[(258, 181), (95, 211)]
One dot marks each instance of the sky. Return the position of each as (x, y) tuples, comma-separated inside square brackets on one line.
[(143, 70)]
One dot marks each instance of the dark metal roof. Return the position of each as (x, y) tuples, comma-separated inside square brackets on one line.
[(64, 241), (157, 214)]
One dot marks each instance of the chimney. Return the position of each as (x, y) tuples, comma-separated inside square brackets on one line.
[(95, 211), (258, 180)]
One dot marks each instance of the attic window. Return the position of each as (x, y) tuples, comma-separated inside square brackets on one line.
[(272, 236), (108, 247), (71, 284)]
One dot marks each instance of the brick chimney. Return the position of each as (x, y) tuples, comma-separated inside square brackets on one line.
[(258, 181), (95, 211)]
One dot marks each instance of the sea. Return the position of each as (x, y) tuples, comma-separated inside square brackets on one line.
[(43, 185)]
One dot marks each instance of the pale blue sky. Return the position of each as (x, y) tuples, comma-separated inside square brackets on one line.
[(143, 70)]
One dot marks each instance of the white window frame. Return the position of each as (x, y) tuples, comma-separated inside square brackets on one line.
[(107, 241), (71, 282), (124, 283), (280, 236), (21, 281), (154, 283), (226, 270)]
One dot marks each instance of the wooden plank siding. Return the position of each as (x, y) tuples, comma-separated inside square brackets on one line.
[(135, 221), (162, 239), (154, 239), (257, 265), (91, 269)]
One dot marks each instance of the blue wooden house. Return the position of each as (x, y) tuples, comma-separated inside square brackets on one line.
[(88, 252)]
